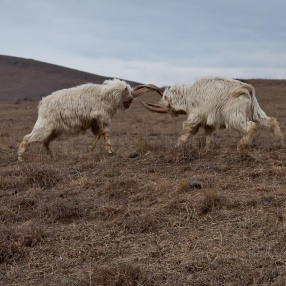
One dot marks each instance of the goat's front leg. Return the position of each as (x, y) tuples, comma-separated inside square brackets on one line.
[(191, 127), (107, 142)]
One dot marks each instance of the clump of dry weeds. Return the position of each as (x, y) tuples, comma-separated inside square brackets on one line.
[(120, 274), (211, 199), (168, 153), (44, 177), (15, 241), (65, 209), (144, 145), (139, 223)]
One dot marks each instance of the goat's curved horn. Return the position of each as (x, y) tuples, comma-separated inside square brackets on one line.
[(143, 88), (154, 107)]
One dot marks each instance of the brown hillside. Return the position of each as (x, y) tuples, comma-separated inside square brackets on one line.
[(27, 79), (100, 220)]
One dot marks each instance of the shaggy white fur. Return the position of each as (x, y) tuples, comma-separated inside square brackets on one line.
[(73, 110), (214, 103)]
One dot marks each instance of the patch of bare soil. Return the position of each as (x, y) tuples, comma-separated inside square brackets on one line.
[(113, 220)]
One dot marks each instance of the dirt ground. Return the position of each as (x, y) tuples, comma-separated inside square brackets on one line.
[(114, 220)]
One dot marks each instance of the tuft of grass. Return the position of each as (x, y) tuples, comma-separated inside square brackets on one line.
[(11, 180), (144, 145), (64, 209), (211, 199), (182, 154), (141, 224), (107, 211), (44, 177), (120, 274), (16, 241), (183, 185), (167, 151), (121, 187)]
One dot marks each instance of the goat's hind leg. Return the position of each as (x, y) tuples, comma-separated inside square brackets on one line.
[(246, 140), (46, 144), (272, 125), (23, 146), (93, 143), (37, 135)]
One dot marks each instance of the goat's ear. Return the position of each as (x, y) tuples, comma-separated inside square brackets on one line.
[(126, 91)]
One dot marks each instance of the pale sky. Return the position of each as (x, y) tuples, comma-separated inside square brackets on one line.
[(150, 41)]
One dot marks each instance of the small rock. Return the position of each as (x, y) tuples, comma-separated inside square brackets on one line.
[(74, 172), (196, 185), (116, 173), (141, 175), (134, 155)]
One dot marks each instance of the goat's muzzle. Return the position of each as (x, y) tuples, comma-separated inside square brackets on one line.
[(127, 102)]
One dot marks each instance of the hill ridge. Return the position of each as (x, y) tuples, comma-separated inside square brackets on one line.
[(29, 79)]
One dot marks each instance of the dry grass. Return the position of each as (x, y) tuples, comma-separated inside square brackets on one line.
[(15, 240), (121, 274), (113, 220)]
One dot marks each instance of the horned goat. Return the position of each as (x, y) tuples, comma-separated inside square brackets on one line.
[(73, 110), (214, 103)]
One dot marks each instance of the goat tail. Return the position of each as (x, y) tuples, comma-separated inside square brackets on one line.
[(256, 114)]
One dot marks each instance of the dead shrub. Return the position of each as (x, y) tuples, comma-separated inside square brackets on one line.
[(19, 209), (12, 180), (182, 207), (183, 154), (121, 187), (6, 214), (168, 153), (107, 211), (212, 199), (144, 145), (141, 224), (44, 177), (121, 274), (262, 188), (183, 185), (65, 209), (15, 241)]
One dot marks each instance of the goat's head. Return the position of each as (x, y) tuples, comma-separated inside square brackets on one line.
[(127, 97), (165, 107)]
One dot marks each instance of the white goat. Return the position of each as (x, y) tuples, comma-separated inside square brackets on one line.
[(214, 103), (73, 110)]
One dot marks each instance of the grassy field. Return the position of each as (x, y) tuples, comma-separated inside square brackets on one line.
[(114, 220)]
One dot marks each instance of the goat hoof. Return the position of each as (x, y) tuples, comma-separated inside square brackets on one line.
[(178, 145), (89, 151), (110, 152)]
